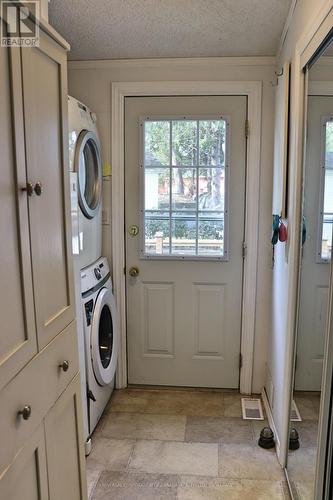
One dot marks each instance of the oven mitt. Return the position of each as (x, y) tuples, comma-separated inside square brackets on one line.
[(275, 228), (282, 233)]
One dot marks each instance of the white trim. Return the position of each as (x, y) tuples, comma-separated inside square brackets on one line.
[(295, 214), (167, 62), (315, 33), (253, 90), (286, 26), (306, 46), (271, 422)]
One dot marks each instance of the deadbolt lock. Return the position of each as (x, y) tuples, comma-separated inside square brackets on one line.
[(134, 272), (133, 230)]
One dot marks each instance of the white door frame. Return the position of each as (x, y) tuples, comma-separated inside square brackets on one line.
[(253, 91)]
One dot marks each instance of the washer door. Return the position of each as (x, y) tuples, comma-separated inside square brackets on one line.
[(104, 337), (88, 166)]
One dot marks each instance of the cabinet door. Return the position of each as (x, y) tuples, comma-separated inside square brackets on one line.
[(65, 446), (44, 78), (18, 335), (26, 477)]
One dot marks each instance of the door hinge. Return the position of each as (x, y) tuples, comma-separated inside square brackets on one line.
[(247, 128), (240, 360), (244, 248), (124, 270)]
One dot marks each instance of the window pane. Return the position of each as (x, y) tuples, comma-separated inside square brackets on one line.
[(212, 142), (328, 191), (157, 143), (211, 189), (184, 142), (329, 145), (157, 236), (210, 240), (157, 188), (183, 236), (184, 196), (184, 184), (326, 246)]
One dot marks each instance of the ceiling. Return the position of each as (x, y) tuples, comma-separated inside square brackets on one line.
[(119, 29)]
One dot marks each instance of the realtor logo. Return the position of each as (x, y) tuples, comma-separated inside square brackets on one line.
[(18, 30)]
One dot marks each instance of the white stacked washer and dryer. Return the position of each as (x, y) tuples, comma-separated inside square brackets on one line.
[(96, 310)]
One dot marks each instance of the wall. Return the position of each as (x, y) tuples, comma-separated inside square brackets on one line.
[(91, 83), (303, 21)]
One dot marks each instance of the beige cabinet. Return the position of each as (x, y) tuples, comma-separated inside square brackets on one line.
[(42, 452), (63, 445), (26, 476), (18, 341), (44, 80), (50, 464)]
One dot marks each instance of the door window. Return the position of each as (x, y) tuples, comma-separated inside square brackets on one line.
[(326, 198), (89, 168), (184, 206), (105, 336)]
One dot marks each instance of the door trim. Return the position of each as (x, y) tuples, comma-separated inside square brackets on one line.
[(253, 91)]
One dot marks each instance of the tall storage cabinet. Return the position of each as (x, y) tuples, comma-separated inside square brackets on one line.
[(42, 453)]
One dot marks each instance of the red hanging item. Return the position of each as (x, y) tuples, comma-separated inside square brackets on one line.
[(282, 232)]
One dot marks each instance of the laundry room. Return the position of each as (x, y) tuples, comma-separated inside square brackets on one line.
[(167, 226)]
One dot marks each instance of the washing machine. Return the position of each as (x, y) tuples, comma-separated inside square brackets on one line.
[(101, 338), (85, 160)]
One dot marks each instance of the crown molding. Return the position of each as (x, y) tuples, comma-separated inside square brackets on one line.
[(175, 62)]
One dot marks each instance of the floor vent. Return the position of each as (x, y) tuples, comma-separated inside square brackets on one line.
[(252, 409), (295, 415)]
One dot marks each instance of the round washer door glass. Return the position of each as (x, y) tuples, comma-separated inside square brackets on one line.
[(89, 169), (104, 337)]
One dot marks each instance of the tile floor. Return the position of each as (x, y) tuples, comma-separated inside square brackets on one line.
[(180, 444), (302, 462)]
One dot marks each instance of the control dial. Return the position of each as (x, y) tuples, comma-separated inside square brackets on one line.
[(97, 273)]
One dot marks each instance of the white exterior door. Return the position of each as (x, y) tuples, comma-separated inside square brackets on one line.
[(185, 163), (315, 270)]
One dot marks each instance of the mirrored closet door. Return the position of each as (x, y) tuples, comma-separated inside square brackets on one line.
[(315, 262)]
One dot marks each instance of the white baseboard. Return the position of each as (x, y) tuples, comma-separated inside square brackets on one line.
[(271, 423)]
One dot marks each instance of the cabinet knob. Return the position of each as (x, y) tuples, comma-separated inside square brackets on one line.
[(29, 189), (64, 365), (25, 412), (38, 188)]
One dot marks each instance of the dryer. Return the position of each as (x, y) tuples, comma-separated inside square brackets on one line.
[(101, 338), (85, 160)]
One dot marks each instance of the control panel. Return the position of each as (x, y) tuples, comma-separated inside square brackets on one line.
[(94, 274)]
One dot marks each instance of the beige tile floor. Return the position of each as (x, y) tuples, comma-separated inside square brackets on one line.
[(180, 444), (302, 462)]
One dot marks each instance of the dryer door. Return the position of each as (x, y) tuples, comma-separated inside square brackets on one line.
[(88, 166), (104, 337)]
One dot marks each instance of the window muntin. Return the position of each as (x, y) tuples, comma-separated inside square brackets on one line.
[(326, 197), (182, 157)]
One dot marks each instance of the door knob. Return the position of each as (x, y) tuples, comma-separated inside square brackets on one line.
[(29, 189), (134, 272), (25, 412), (38, 188), (133, 230), (64, 365)]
